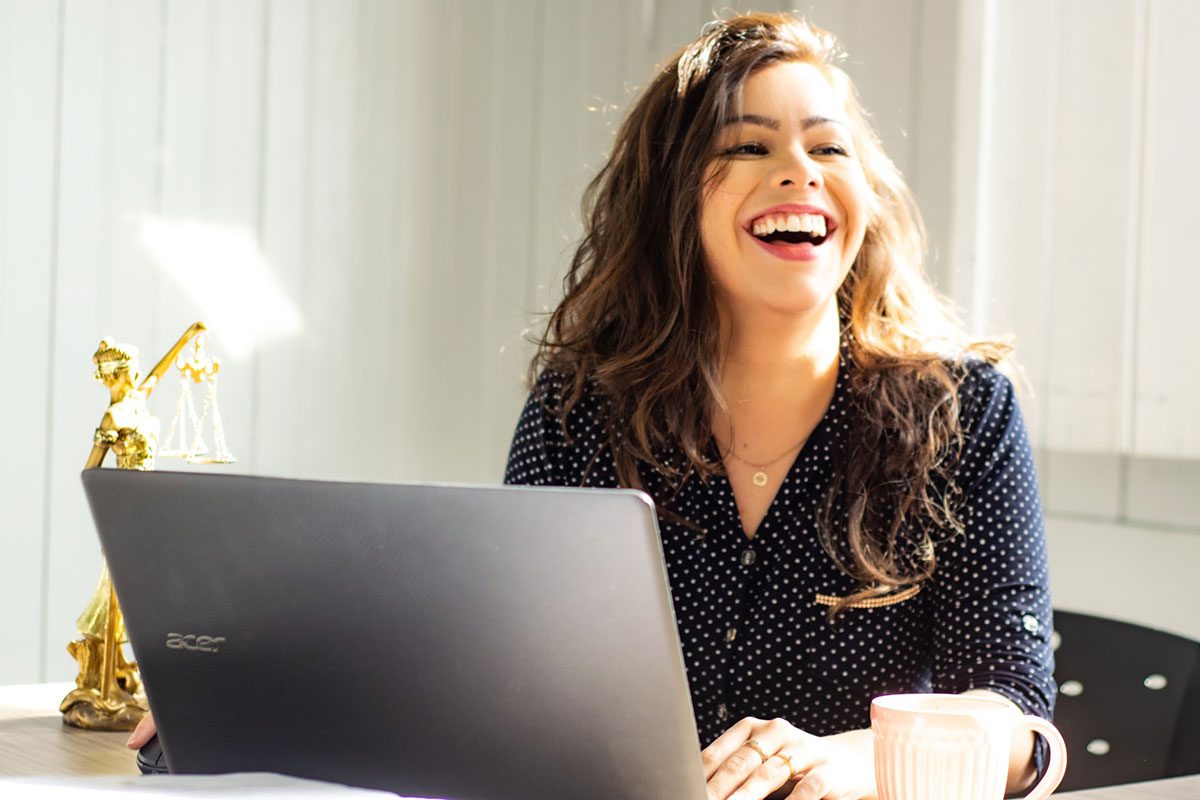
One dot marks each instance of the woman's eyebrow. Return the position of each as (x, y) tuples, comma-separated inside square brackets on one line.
[(774, 124)]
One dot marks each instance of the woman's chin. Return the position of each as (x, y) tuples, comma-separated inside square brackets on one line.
[(796, 304), (802, 294)]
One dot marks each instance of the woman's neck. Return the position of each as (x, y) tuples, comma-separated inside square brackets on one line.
[(774, 355)]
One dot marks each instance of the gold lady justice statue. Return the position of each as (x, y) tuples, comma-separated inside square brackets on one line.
[(108, 694)]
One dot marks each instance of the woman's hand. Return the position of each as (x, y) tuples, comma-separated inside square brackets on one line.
[(142, 733), (755, 757)]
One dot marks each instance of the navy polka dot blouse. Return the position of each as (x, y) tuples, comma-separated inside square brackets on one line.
[(755, 634)]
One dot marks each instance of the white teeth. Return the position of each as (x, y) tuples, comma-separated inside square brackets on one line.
[(794, 223)]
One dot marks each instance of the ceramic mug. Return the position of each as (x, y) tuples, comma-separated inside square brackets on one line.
[(953, 747)]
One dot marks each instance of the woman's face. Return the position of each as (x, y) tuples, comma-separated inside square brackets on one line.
[(782, 227)]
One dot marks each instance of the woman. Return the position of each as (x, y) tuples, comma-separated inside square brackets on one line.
[(847, 499)]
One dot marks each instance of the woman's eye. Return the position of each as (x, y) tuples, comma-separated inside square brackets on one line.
[(746, 149), (830, 150)]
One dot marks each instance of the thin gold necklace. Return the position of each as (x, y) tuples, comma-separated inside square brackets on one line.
[(760, 476)]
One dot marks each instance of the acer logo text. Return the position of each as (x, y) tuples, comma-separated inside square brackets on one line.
[(190, 641)]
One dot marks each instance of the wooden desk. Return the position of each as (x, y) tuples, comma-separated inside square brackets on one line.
[(33, 741), (1185, 788)]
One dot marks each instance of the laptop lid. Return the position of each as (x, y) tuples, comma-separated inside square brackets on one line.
[(432, 640)]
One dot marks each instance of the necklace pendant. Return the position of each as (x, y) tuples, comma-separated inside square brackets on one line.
[(760, 478)]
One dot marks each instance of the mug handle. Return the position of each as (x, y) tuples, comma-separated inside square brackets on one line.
[(1057, 766)]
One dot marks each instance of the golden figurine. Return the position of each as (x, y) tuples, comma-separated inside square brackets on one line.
[(108, 694)]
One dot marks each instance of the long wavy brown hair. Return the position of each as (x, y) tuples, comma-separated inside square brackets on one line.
[(638, 321)]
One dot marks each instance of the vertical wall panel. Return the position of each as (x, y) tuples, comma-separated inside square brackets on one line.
[(505, 351), (442, 180), (573, 135), (1168, 382), (1094, 214), (1015, 233), (972, 99), (501, 247), (930, 168), (29, 80), (208, 208), (106, 282), (280, 421), (456, 324), (332, 377), (603, 41), (560, 173), (884, 71), (385, 316)]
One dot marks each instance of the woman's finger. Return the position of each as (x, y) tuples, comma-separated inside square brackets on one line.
[(713, 756), (142, 733), (740, 765), (748, 761), (815, 785), (770, 775)]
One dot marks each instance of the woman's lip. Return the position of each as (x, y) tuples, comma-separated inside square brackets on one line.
[(807, 251)]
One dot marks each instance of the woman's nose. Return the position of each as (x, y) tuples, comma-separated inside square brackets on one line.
[(799, 171)]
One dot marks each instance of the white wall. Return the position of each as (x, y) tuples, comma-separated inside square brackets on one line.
[(381, 193), (1077, 233), (1085, 239)]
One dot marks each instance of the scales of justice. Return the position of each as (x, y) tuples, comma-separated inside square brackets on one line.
[(109, 694)]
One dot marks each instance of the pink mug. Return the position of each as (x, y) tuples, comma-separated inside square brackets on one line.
[(953, 747)]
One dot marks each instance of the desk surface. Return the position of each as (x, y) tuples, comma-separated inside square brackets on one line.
[(33, 741), (1185, 788)]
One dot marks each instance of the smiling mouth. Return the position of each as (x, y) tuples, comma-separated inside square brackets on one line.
[(791, 229)]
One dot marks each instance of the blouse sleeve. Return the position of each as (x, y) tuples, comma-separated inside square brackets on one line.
[(990, 589), (529, 457)]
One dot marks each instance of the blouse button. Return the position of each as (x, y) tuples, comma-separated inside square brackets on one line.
[(730, 634), (1031, 623), (722, 712), (747, 557)]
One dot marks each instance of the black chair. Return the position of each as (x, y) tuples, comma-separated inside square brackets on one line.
[(1128, 701)]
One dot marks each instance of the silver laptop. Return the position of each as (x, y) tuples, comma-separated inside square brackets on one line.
[(431, 640)]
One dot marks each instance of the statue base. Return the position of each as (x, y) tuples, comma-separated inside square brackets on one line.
[(85, 708)]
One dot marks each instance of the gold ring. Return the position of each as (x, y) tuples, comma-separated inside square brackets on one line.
[(795, 773), (756, 746)]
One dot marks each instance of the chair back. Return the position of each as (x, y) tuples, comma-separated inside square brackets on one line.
[(1128, 701)]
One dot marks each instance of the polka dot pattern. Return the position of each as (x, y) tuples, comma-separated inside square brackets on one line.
[(755, 640)]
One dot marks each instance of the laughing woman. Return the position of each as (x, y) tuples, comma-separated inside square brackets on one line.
[(846, 494)]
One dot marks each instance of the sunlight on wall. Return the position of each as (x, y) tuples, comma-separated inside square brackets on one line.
[(222, 268)]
